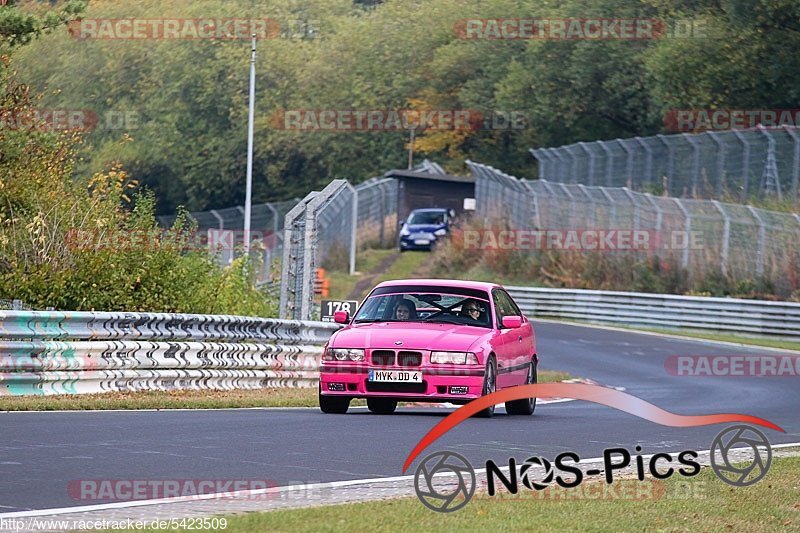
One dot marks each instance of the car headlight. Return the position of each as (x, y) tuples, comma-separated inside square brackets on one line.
[(440, 232), (404, 232), (454, 358), (343, 354)]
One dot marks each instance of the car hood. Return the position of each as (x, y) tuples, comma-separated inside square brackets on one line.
[(414, 336)]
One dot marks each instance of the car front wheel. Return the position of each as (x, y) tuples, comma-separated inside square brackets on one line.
[(334, 404), (489, 386)]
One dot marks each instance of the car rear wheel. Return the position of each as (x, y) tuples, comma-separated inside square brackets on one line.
[(381, 406), (334, 404), (489, 386), (525, 406)]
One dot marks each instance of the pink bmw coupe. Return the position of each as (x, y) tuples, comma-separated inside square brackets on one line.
[(429, 341)]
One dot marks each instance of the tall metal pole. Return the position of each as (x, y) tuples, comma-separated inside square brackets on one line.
[(249, 194), (411, 150)]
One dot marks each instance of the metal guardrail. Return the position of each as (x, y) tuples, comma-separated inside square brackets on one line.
[(91, 352), (755, 317)]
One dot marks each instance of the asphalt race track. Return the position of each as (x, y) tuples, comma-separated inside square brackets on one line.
[(40, 453)]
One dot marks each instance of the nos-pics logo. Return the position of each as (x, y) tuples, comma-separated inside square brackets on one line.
[(445, 481)]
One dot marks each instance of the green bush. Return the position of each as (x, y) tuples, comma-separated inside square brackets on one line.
[(90, 244)]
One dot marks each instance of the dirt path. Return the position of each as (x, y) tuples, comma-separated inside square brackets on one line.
[(423, 271), (365, 283)]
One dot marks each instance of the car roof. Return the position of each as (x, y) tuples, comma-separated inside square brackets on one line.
[(478, 285), (430, 209)]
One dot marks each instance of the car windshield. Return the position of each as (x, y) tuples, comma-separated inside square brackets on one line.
[(419, 306), (426, 217)]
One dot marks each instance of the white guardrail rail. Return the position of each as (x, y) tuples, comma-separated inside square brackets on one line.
[(50, 352), (750, 317)]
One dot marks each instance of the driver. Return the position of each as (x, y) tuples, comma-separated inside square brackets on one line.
[(405, 310)]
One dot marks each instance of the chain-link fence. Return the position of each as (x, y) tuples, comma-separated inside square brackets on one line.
[(319, 231), (377, 213), (13, 305), (703, 236), (223, 231), (325, 228), (734, 166)]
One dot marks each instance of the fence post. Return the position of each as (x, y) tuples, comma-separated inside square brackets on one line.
[(353, 226), (612, 204), (629, 163), (762, 235), (648, 165), (274, 219), (219, 219), (590, 153), (563, 166), (537, 214), (695, 161), (635, 207), (685, 259), (538, 154), (571, 202), (720, 161), (591, 201), (609, 162), (575, 158), (659, 216), (289, 269), (796, 161), (745, 163), (670, 162), (770, 181), (726, 237)]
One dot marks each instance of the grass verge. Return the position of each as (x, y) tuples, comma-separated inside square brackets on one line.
[(702, 503), (187, 399)]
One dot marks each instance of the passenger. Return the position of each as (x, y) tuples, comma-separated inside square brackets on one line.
[(471, 309)]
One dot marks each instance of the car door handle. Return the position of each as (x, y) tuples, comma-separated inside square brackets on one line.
[(519, 338)]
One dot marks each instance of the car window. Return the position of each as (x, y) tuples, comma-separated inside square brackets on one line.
[(426, 306), (426, 217), (504, 305), (511, 305)]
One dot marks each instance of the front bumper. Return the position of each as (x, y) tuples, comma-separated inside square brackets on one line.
[(443, 383), (418, 241)]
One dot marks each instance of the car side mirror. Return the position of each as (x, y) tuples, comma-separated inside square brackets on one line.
[(341, 317), (512, 322)]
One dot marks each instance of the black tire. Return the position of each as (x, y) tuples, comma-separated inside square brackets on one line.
[(489, 386), (525, 406), (381, 406), (334, 404)]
